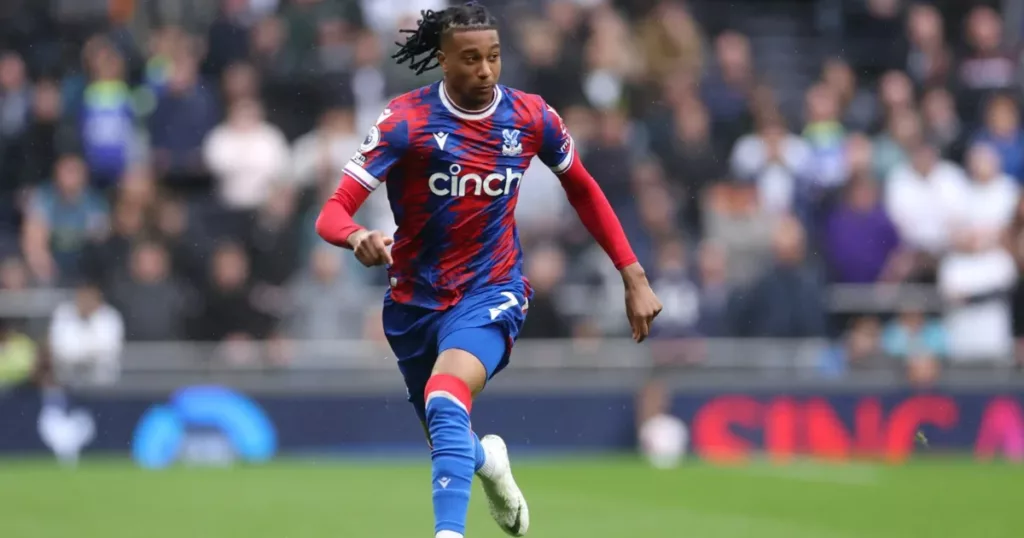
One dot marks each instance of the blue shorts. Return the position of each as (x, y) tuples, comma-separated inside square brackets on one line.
[(484, 323)]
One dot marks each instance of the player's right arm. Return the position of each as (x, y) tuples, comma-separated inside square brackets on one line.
[(380, 151)]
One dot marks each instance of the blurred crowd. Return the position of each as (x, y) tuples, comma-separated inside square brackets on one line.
[(167, 159)]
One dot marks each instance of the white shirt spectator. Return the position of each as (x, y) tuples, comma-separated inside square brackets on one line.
[(383, 15), (247, 156), (776, 177), (981, 267), (918, 204), (87, 348)]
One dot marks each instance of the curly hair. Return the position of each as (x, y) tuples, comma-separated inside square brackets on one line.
[(424, 41)]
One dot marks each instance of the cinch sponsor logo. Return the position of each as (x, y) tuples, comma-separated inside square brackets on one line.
[(452, 184)]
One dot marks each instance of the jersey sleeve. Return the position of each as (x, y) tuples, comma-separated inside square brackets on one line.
[(557, 149), (382, 148)]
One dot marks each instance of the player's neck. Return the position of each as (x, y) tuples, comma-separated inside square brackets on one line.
[(471, 108)]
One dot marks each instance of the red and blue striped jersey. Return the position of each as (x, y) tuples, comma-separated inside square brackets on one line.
[(452, 180)]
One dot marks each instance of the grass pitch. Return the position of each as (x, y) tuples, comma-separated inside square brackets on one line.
[(569, 498)]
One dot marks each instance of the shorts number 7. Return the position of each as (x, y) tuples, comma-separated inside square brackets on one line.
[(512, 301)]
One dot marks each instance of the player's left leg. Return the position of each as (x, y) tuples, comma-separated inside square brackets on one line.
[(468, 357)]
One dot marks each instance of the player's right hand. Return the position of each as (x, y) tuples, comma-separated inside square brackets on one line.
[(371, 247)]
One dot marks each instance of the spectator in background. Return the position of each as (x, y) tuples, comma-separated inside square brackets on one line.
[(919, 342), (156, 71), (691, 160), (334, 53), (105, 258), (786, 300), (241, 81), (324, 305), (858, 105), (903, 131), (86, 338), (875, 27), (895, 94), (267, 49), (609, 65), (273, 245), (672, 281), (368, 84), (184, 240), (61, 218), (975, 278), (229, 313), (826, 136), (247, 156), (609, 157), (989, 64), (228, 37), (929, 61), (859, 239), (154, 306), (16, 137), (107, 118), (657, 213), (47, 136), (1003, 133), (735, 220), (15, 103), (549, 69), (19, 356), (184, 114), (942, 125), (728, 89), (859, 348), (916, 199), (776, 161), (859, 157), (319, 156), (715, 291), (671, 41), (546, 269), (138, 188), (303, 18)]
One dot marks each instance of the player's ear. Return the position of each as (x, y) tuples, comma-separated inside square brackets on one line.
[(442, 60)]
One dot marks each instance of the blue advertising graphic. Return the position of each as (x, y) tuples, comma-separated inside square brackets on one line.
[(209, 425)]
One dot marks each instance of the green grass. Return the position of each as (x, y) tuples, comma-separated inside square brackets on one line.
[(591, 498)]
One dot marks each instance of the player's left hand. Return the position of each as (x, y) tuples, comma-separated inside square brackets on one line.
[(642, 305)]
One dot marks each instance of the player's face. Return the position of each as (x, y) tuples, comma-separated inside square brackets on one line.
[(471, 61)]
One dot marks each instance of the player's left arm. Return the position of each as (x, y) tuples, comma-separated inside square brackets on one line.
[(558, 151)]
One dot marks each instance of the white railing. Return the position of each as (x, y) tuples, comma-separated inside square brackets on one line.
[(593, 354)]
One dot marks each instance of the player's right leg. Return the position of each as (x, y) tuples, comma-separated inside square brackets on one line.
[(472, 355), (448, 400)]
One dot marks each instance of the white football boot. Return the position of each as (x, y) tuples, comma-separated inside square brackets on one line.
[(508, 506)]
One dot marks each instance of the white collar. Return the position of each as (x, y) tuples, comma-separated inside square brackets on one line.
[(472, 115)]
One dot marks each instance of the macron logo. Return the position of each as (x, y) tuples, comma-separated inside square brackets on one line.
[(444, 481), (441, 138)]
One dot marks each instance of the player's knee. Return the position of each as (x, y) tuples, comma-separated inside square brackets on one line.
[(462, 365), (445, 391)]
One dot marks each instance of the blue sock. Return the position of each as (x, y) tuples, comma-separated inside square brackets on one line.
[(481, 456), (455, 449)]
